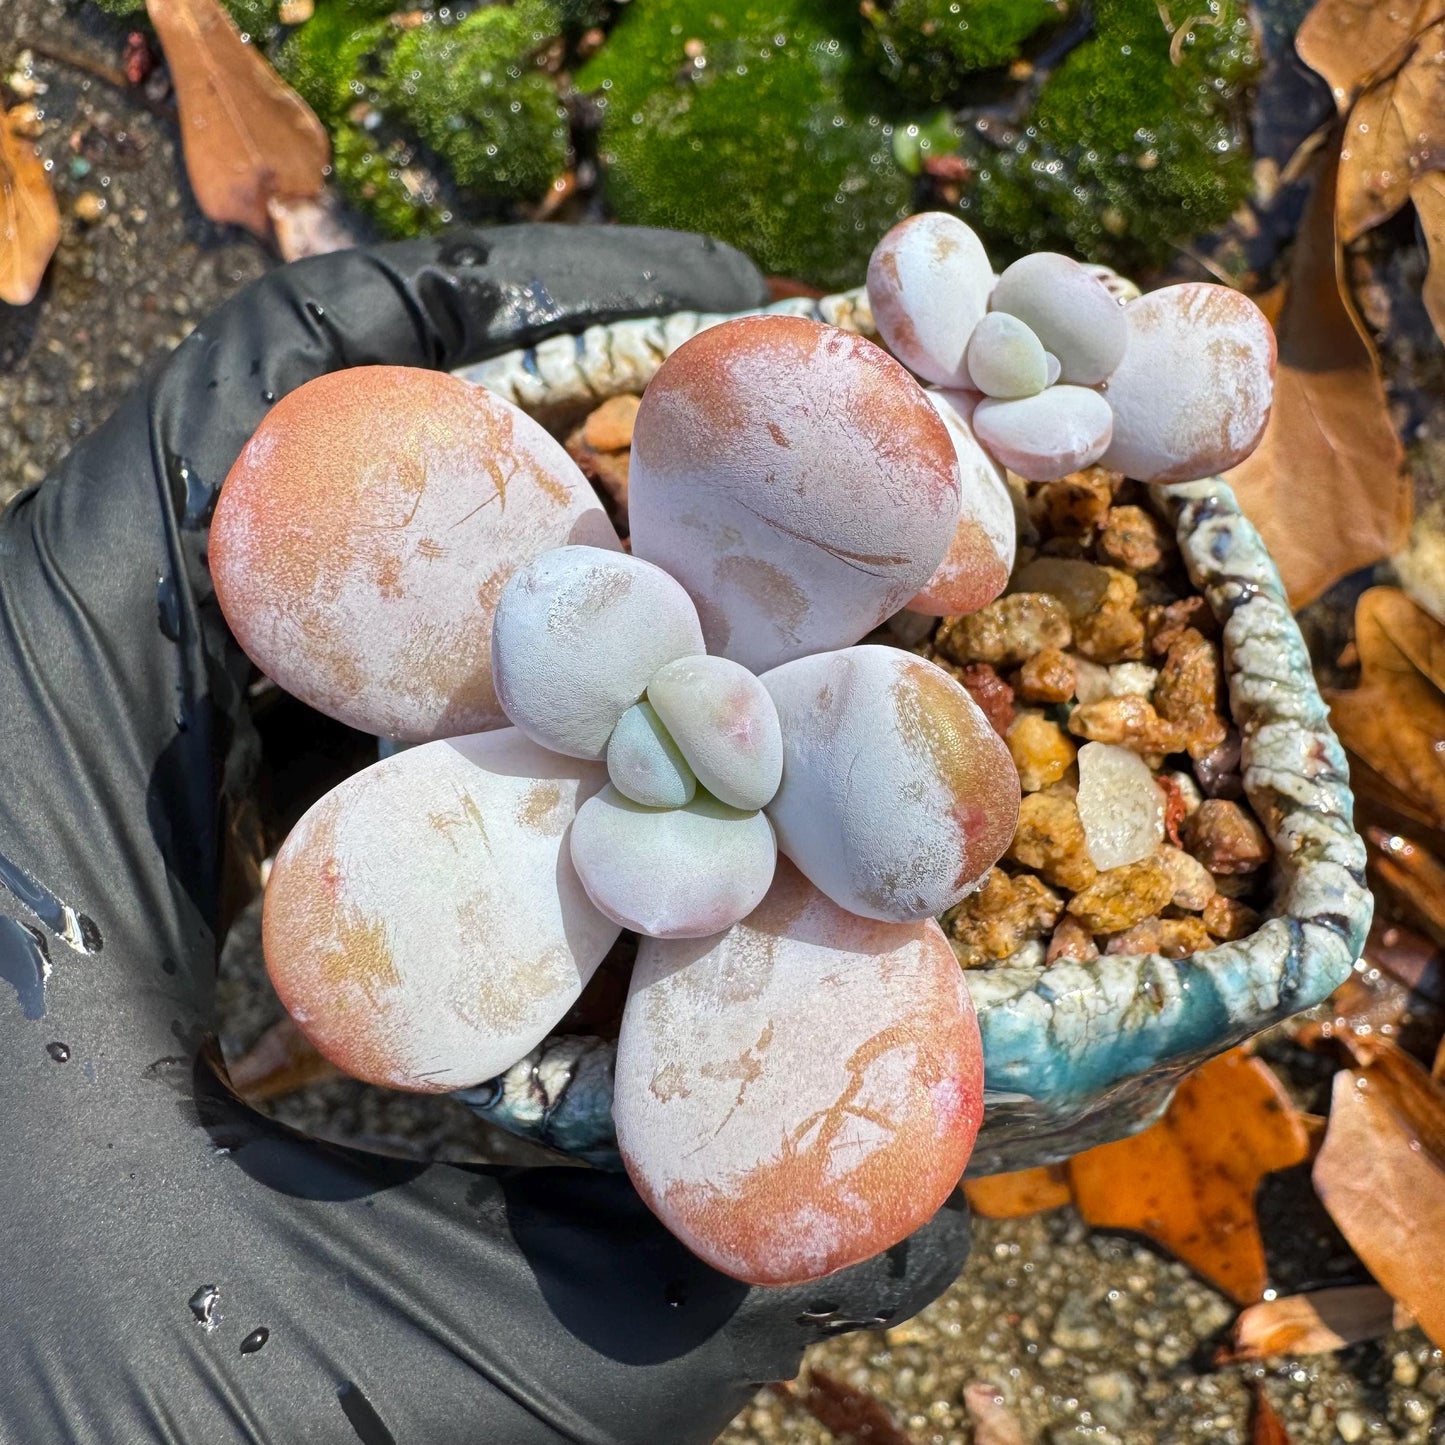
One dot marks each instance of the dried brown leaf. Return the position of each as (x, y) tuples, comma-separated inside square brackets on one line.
[(1381, 1175), (853, 1415), (1428, 194), (247, 136), (1353, 42), (1189, 1181), (1330, 450), (1395, 133), (29, 218), (1396, 717), (1266, 1428), (1010, 1196), (993, 1422), (1412, 874), (280, 1062), (1313, 1324)]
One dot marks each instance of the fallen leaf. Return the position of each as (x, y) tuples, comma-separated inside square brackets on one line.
[(1409, 958), (1312, 1324), (1352, 42), (1428, 194), (1381, 1175), (993, 1422), (29, 218), (1396, 132), (1010, 1196), (1413, 875), (1188, 1182), (280, 1062), (855, 1416), (247, 136), (1330, 451), (1437, 1073), (1266, 1428), (1395, 718)]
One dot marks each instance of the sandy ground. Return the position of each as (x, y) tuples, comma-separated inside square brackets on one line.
[(1089, 1336)]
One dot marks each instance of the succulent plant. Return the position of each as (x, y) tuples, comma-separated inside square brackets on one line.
[(694, 740), (617, 740), (1049, 373)]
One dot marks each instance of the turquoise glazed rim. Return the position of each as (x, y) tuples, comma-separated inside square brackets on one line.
[(1076, 1054)]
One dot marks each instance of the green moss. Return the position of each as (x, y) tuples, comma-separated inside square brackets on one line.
[(331, 59), (1124, 152), (379, 176), (474, 94), (122, 7), (256, 18), (757, 122), (928, 48)]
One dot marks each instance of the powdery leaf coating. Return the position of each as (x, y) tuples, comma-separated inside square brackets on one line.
[(897, 795), (1069, 310), (366, 531), (423, 923), (1120, 805), (981, 554), (644, 763), (1193, 393), (928, 284), (795, 480), (802, 1092), (1047, 436), (724, 721), (672, 872), (578, 633), (1005, 358)]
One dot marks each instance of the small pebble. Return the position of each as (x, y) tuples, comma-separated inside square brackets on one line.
[(609, 428), (1225, 838), (1120, 806), (992, 694), (1129, 722), (1193, 882), (1122, 897), (1227, 918), (1076, 505), (1001, 916), (1132, 539), (1132, 679), (1050, 839), (1047, 677), (1350, 1426), (1072, 940), (88, 207), (1042, 751), (1007, 632)]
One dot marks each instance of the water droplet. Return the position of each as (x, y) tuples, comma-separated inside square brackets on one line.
[(316, 311), (268, 397), (76, 929), (205, 1307), (255, 1340), (197, 499), (59, 1052)]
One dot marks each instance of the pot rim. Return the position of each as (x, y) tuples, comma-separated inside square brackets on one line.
[(1078, 1054)]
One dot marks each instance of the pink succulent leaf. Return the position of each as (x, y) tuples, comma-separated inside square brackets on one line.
[(672, 872), (1193, 392), (981, 554), (929, 281), (800, 1092), (578, 633), (795, 479), (423, 922), (1069, 310), (724, 722), (366, 531), (1046, 436), (897, 793)]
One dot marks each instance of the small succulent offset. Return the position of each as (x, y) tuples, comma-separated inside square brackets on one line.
[(1051, 374), (693, 740)]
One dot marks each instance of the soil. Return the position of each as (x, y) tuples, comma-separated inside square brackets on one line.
[(1088, 1335)]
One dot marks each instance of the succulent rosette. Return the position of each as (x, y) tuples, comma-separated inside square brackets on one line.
[(686, 739), (1049, 373)]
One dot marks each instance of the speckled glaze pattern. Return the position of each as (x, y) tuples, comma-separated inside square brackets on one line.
[(1079, 1054)]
